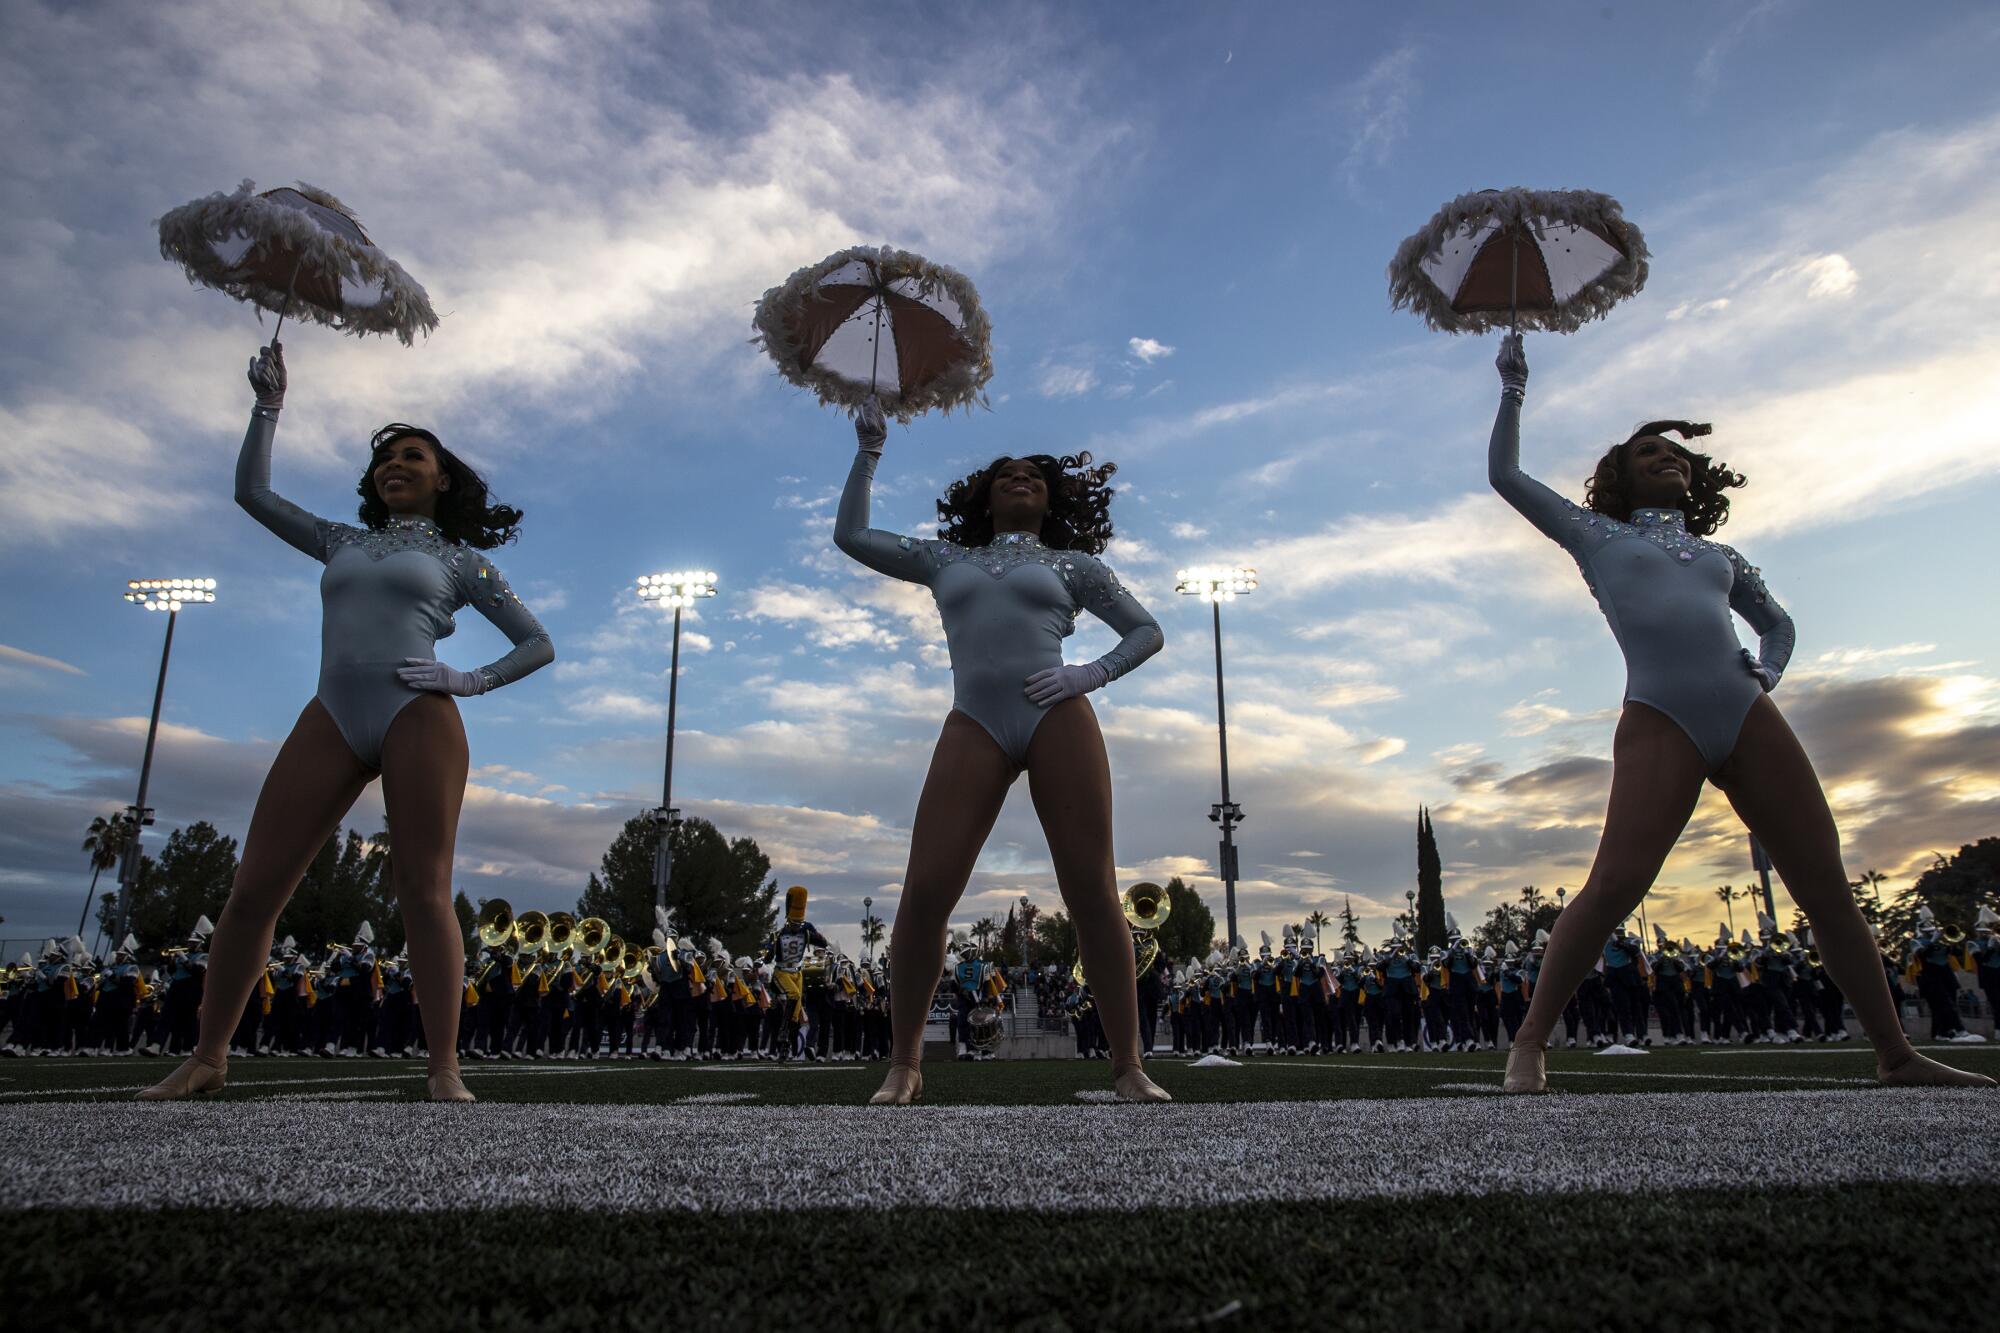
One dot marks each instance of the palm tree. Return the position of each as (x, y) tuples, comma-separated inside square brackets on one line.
[(984, 930), (1319, 921), (1872, 881), (871, 933), (105, 842), (1728, 894)]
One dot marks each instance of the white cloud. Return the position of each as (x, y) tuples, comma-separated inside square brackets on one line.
[(1066, 381), (1149, 350), (1828, 275), (827, 621), (1746, 23), (10, 656), (1378, 108), (564, 276)]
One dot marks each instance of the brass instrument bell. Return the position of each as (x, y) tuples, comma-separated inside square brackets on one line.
[(1147, 906), (496, 923), (531, 932)]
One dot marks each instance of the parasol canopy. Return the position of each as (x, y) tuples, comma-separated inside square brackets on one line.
[(881, 322), (1539, 259), (296, 250)]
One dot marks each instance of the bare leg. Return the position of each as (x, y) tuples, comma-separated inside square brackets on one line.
[(310, 788), (423, 787), (1069, 777), (1656, 778), (1771, 782), (962, 796)]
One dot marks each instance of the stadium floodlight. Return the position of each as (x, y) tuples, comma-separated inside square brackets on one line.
[(171, 596), (679, 590), (1216, 584)]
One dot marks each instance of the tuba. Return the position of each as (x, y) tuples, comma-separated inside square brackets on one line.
[(1147, 906), (591, 934), (531, 932), (496, 923), (562, 932)]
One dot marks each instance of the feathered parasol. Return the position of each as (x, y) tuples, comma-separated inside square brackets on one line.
[(1538, 259), (880, 322), (296, 250)]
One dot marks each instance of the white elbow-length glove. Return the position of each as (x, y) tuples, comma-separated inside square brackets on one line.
[(1055, 684), (422, 673), (1512, 363)]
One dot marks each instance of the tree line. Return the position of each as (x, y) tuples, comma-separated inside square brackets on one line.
[(723, 890)]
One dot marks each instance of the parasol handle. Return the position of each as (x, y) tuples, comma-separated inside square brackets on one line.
[(284, 309), (1514, 285), (875, 357)]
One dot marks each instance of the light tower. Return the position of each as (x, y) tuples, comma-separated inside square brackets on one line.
[(169, 595), (679, 591), (1216, 586)]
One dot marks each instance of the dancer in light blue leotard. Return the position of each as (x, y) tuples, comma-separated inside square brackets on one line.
[(1697, 709), (1014, 567), (384, 707)]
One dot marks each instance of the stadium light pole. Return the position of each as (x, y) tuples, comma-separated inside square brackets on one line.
[(1216, 586), (1760, 861), (679, 591), (168, 595)]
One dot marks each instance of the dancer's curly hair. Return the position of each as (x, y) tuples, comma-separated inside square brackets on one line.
[(1079, 514), (1706, 505), (464, 513)]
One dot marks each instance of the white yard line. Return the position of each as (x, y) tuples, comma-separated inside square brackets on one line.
[(414, 1072), (1840, 1048), (1621, 1072), (406, 1157)]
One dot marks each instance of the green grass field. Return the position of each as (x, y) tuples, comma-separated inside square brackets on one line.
[(1023, 1083), (1680, 1189)]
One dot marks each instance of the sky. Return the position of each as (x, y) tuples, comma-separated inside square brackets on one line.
[(1178, 217)]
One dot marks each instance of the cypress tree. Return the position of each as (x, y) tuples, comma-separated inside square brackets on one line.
[(1430, 885)]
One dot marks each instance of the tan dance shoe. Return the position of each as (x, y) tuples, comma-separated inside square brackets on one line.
[(194, 1078), (447, 1086), (1920, 1071), (1527, 1069), (905, 1084), (1134, 1086)]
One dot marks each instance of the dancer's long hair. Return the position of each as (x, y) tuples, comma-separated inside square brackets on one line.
[(1706, 505), (1079, 514), (465, 514)]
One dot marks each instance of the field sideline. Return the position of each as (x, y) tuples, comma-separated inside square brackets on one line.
[(1671, 1188)]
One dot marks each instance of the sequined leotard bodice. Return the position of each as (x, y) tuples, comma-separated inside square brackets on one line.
[(1006, 608), (1667, 595), (387, 594)]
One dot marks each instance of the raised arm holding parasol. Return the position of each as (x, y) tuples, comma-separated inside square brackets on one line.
[(1697, 704), (385, 706), (885, 332)]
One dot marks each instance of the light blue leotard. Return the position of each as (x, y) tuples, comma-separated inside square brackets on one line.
[(1667, 594), (387, 594), (1006, 607)]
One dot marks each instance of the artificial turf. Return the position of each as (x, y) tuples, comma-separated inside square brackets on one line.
[(1730, 1259), (1003, 1082)]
